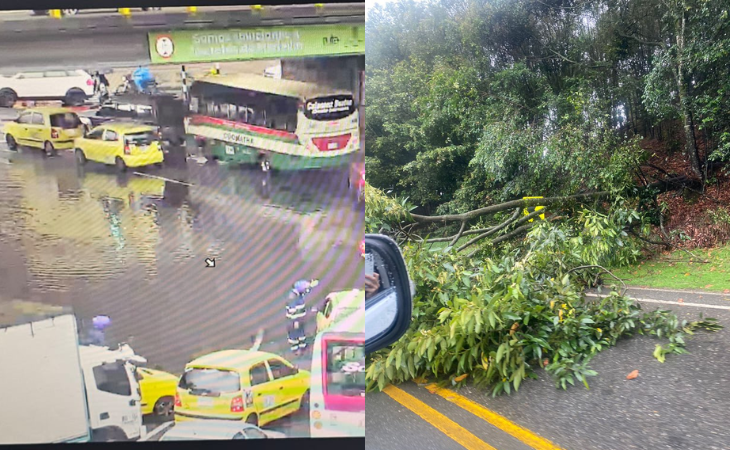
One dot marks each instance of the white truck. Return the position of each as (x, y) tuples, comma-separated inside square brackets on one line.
[(58, 391)]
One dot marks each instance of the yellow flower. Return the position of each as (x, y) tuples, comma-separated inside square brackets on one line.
[(504, 379), (599, 330), (564, 306)]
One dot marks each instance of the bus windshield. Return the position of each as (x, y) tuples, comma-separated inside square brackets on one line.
[(345, 369)]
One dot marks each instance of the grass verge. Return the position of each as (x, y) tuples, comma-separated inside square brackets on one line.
[(679, 270)]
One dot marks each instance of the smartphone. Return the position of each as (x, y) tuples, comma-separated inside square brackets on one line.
[(369, 264)]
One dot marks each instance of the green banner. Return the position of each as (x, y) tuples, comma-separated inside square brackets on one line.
[(189, 46)]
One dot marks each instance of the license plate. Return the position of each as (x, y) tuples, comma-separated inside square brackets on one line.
[(332, 146), (205, 401), (72, 133)]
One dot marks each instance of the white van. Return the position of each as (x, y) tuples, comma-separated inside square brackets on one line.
[(337, 389)]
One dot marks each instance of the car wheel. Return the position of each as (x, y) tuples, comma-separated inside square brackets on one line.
[(10, 140), (8, 97), (75, 97), (164, 407), (49, 150), (70, 12), (121, 165), (252, 420), (80, 157)]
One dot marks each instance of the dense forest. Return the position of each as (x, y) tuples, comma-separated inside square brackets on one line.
[(476, 102), (616, 113)]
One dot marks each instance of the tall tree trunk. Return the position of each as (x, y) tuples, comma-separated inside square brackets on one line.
[(690, 146)]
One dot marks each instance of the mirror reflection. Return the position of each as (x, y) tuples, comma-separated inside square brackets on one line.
[(380, 293)]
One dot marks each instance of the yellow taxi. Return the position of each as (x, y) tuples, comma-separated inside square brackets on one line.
[(47, 128), (338, 307), (124, 144), (157, 390), (252, 386)]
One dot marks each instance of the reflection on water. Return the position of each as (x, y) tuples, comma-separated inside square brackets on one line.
[(133, 248)]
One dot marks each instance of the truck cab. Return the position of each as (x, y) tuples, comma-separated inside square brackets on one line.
[(112, 392)]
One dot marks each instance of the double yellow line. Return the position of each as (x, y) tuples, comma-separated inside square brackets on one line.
[(458, 433)]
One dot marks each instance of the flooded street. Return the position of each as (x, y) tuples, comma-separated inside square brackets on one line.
[(133, 247)]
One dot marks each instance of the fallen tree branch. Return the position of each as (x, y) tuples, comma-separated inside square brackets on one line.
[(491, 230), (458, 235), (522, 203), (605, 270), (665, 244), (512, 233)]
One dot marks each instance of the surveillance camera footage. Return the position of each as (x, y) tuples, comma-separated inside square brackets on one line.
[(181, 220)]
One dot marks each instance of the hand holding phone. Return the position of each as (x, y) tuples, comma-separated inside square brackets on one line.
[(369, 264)]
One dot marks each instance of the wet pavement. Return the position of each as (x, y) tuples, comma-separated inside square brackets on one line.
[(133, 246)]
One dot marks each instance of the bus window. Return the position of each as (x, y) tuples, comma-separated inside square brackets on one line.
[(283, 113), (230, 111), (194, 106)]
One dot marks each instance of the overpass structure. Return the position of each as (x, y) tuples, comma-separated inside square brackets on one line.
[(192, 35)]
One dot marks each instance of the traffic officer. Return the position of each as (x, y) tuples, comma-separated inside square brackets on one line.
[(296, 311)]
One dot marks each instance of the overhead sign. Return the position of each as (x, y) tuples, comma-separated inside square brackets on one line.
[(189, 46)]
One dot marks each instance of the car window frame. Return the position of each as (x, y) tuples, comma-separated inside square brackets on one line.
[(91, 136), (35, 114), (283, 363), (106, 132), (269, 377), (29, 115)]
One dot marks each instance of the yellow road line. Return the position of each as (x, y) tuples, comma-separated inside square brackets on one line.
[(504, 424), (438, 420)]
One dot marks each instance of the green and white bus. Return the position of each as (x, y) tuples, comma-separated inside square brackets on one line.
[(247, 118)]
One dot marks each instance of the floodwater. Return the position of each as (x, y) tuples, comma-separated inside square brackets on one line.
[(133, 247)]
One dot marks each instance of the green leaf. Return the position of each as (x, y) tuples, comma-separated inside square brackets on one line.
[(518, 380), (501, 351), (431, 351), (659, 353)]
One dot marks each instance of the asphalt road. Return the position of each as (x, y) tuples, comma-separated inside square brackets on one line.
[(133, 247), (681, 404)]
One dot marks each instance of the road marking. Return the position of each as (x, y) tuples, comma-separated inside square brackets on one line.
[(437, 420), (667, 302), (676, 291), (521, 433), (141, 174)]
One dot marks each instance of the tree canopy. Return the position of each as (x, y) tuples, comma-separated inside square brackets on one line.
[(475, 102)]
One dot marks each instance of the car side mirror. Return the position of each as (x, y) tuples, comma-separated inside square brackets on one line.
[(388, 311)]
